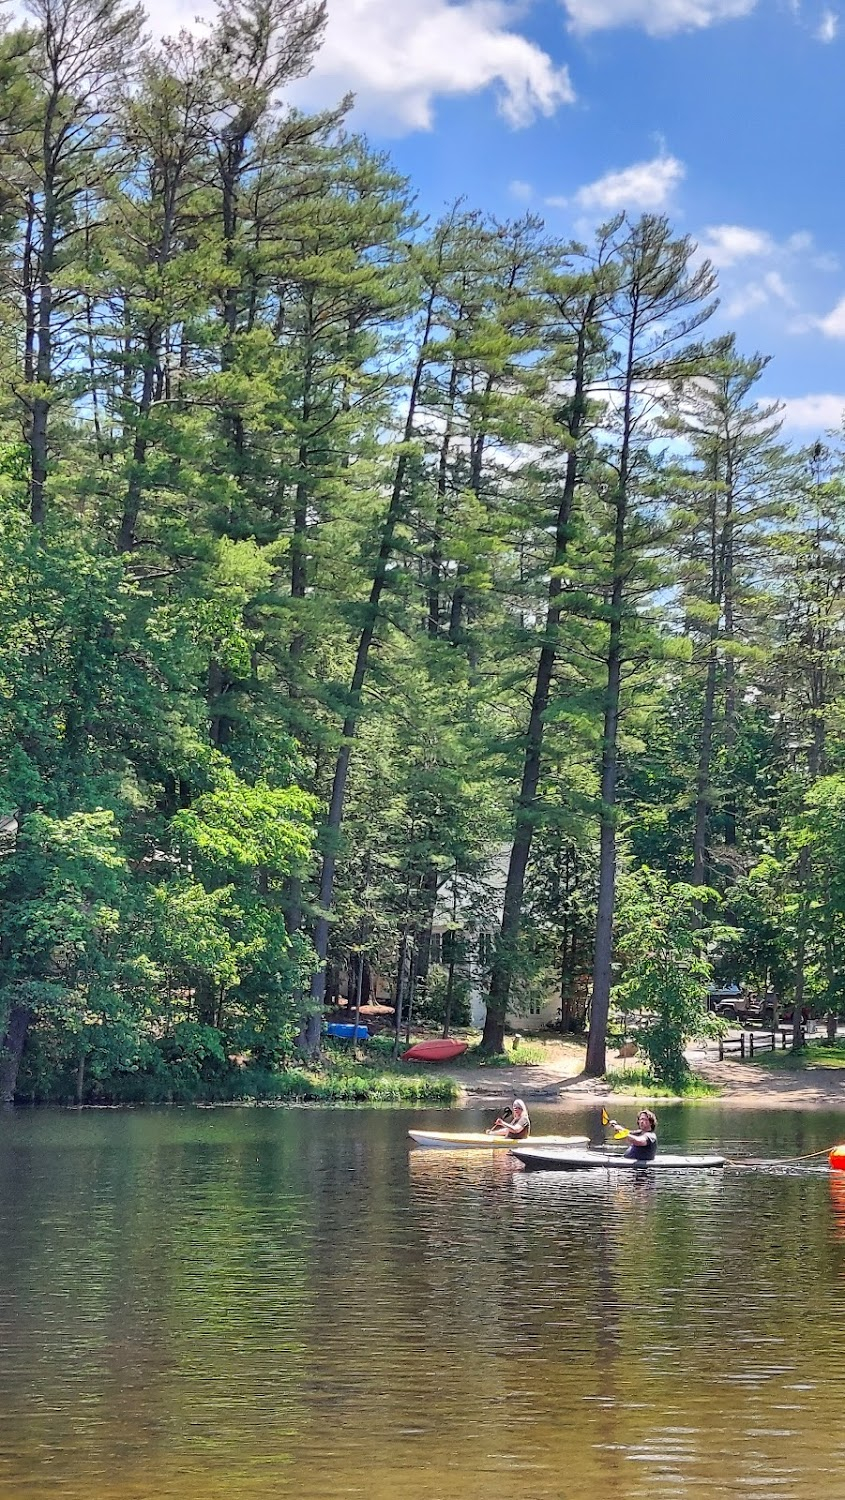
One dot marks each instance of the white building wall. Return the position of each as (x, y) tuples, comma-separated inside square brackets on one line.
[(475, 909)]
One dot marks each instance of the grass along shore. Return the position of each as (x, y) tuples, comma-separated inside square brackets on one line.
[(544, 1069), (815, 1054)]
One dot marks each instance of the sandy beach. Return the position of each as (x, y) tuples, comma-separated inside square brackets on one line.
[(559, 1080)]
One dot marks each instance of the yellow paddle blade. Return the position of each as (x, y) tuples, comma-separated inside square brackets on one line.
[(619, 1135), (605, 1117)]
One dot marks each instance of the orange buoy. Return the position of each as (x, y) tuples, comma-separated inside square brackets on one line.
[(837, 1159)]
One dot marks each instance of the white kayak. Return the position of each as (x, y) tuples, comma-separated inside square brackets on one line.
[(466, 1141), (535, 1158)]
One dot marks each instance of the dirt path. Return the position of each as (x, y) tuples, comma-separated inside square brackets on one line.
[(562, 1064), (559, 1080), (748, 1086)]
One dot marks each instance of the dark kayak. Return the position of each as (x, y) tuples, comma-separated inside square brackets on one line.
[(549, 1159)]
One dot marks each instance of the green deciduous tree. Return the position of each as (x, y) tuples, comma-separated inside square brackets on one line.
[(666, 971)]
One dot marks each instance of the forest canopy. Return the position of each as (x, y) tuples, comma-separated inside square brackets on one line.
[(350, 560)]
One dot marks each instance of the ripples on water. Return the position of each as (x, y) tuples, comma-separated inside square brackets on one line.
[(258, 1303)]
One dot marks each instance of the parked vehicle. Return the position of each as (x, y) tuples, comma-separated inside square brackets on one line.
[(784, 1017), (735, 1004), (732, 1003)]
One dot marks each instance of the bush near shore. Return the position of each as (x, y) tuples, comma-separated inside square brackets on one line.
[(200, 1077)]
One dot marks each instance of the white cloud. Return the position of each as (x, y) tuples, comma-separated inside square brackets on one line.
[(777, 288), (646, 185), (167, 17), (659, 17), (725, 244), (828, 27), (399, 56), (760, 273), (833, 324), (521, 190), (729, 244), (770, 288), (745, 300), (814, 413)]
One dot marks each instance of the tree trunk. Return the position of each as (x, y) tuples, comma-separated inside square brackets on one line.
[(730, 673), (11, 1051), (359, 987), (429, 887), (126, 536), (800, 952), (412, 988), (40, 410), (476, 469), (206, 1001), (299, 540), (367, 982), (400, 991), (501, 977), (814, 766), (705, 756), (603, 958), (435, 564), (80, 1080), (338, 796)]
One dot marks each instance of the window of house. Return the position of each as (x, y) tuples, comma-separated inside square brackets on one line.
[(486, 946), (453, 945)]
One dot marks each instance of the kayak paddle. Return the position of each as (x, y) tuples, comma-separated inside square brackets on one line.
[(620, 1133)]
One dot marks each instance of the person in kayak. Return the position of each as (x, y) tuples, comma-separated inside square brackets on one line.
[(642, 1142), (514, 1123)]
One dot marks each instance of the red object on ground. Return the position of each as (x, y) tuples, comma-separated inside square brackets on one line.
[(837, 1158), (437, 1051)]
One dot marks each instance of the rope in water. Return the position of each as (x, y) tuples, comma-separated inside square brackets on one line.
[(780, 1161)]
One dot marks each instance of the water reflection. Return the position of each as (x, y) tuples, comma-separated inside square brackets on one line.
[(261, 1303), (837, 1203)]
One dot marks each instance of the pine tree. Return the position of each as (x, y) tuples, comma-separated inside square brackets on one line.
[(79, 52), (730, 503), (659, 304), (576, 299)]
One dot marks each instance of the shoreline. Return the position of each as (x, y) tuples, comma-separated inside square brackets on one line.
[(559, 1080)]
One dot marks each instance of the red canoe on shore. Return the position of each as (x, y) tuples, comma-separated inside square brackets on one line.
[(441, 1050)]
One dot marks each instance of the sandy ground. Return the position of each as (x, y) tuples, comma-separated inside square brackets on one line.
[(559, 1080)]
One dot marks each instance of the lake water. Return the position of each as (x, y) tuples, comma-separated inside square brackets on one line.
[(256, 1303)]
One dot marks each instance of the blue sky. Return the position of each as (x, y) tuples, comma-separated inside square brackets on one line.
[(727, 115)]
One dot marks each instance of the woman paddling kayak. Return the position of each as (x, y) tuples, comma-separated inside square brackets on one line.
[(642, 1142), (514, 1123)]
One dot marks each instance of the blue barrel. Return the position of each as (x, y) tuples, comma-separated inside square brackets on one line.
[(347, 1031)]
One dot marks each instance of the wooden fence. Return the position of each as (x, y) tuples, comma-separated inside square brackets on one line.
[(746, 1046)]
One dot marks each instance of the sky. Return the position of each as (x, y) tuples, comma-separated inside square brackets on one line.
[(726, 115)]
